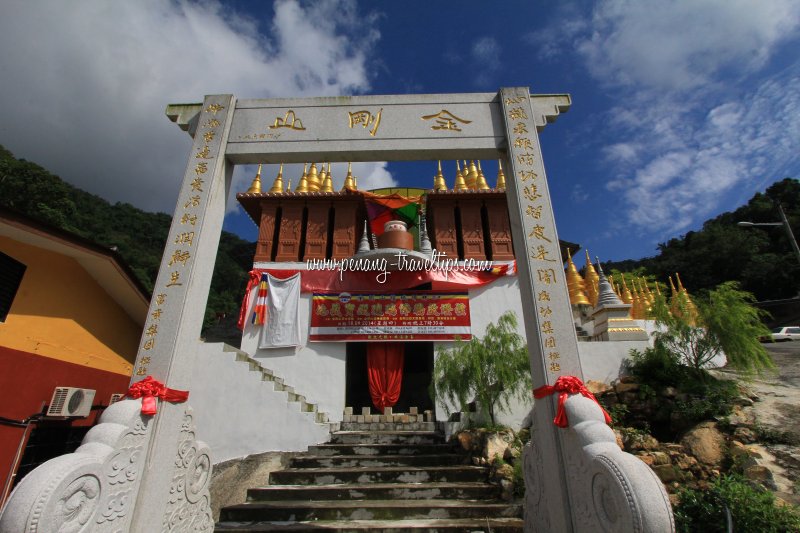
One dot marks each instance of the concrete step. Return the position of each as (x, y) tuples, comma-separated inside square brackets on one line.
[(386, 437), (368, 510), (464, 525), (349, 461), (389, 474), (380, 449), (388, 426), (377, 491)]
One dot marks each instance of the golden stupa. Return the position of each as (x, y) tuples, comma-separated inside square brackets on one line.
[(689, 308), (575, 284), (349, 182), (439, 184), (303, 185), (592, 280), (255, 186), (481, 184), (313, 178), (471, 176), (501, 178), (327, 183), (627, 297), (460, 184), (277, 185)]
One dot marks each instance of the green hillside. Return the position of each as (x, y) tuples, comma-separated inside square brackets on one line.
[(138, 236), (760, 258)]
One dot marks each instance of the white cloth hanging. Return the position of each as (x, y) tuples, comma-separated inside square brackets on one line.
[(282, 325)]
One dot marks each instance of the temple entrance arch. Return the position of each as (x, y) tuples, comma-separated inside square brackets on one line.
[(577, 478)]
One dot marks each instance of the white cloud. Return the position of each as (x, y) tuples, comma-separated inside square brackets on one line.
[(683, 45), (485, 55), (702, 113), (85, 84)]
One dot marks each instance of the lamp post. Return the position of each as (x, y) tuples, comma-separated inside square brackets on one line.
[(785, 224)]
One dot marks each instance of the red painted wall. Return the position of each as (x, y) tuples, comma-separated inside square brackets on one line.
[(28, 380)]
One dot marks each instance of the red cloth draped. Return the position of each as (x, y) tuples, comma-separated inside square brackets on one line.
[(149, 389), (566, 385), (385, 372)]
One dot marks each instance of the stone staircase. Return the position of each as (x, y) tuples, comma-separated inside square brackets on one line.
[(279, 385), (377, 473)]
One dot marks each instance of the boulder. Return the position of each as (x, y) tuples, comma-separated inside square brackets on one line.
[(622, 387), (706, 443), (744, 434), (597, 387), (496, 444)]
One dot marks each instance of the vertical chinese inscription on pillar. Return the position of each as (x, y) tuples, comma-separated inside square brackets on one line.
[(179, 251), (548, 301)]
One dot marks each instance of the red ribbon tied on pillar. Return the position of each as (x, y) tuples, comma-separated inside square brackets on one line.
[(149, 389), (566, 385)]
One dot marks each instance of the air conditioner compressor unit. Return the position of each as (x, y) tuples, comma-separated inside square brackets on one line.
[(71, 402)]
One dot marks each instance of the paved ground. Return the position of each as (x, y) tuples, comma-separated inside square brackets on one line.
[(778, 407)]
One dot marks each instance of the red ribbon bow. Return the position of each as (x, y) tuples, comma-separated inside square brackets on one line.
[(566, 385), (149, 389)]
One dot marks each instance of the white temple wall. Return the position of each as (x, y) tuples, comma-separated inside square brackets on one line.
[(238, 414)]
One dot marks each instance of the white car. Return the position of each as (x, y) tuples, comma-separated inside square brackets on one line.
[(786, 333)]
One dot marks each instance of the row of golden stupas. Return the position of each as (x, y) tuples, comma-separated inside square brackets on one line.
[(584, 291), (314, 180), (470, 179)]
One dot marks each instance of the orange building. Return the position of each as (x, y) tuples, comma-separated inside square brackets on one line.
[(71, 314)]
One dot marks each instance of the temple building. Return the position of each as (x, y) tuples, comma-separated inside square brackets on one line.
[(368, 285)]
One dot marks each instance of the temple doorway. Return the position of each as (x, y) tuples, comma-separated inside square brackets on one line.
[(417, 373)]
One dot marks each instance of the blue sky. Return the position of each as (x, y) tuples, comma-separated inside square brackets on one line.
[(681, 109)]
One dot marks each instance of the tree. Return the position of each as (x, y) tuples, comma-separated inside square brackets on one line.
[(725, 322), (491, 370)]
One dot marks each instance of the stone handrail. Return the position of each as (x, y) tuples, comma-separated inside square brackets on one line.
[(95, 488), (609, 490)]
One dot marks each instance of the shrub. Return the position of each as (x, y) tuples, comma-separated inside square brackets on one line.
[(492, 370), (752, 509)]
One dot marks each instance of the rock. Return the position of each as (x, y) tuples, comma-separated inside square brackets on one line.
[(496, 444), (760, 474), (646, 458), (738, 450), (743, 401), (512, 454), (666, 473), (705, 443), (642, 442), (465, 439), (627, 379), (626, 387), (597, 387), (744, 434)]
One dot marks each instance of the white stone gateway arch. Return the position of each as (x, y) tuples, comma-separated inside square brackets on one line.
[(142, 473)]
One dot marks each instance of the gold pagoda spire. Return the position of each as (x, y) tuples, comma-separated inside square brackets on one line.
[(327, 183), (289, 185), (637, 311), (626, 295), (277, 185), (255, 187), (575, 284), (303, 185), (481, 184), (501, 178), (349, 183), (460, 184), (438, 180), (592, 280), (313, 178), (471, 175)]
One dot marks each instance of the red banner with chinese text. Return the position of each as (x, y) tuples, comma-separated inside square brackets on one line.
[(405, 316)]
